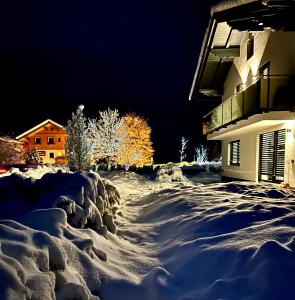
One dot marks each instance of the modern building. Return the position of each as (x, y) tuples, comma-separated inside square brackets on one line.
[(247, 64), (48, 138)]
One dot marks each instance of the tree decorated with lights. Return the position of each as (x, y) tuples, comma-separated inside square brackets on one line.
[(78, 148), (137, 147), (107, 134)]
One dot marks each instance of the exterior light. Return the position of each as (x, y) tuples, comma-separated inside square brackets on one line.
[(264, 2), (81, 107), (260, 24)]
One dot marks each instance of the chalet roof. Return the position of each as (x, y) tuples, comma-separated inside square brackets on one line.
[(38, 126), (229, 20)]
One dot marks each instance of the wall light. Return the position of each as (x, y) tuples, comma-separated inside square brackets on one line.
[(264, 2)]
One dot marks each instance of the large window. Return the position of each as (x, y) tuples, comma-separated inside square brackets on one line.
[(234, 153)]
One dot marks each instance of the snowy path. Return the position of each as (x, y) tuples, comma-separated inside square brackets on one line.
[(227, 241)]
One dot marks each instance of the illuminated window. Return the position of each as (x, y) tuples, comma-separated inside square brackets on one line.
[(50, 140), (250, 45), (51, 154), (37, 140), (234, 157)]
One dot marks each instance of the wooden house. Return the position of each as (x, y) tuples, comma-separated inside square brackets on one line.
[(49, 139)]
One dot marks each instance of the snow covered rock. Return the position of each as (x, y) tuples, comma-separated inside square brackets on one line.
[(169, 172)]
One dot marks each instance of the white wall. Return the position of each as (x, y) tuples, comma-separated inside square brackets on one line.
[(249, 154), (282, 58)]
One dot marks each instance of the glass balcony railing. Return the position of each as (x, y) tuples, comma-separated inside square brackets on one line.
[(267, 93)]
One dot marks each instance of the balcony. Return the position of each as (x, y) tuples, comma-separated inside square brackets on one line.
[(268, 93)]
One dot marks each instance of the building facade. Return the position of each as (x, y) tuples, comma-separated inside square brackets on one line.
[(49, 139), (247, 63)]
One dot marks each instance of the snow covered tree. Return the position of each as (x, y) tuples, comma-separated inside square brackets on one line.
[(137, 147), (182, 150), (201, 154), (32, 156), (11, 151), (78, 148), (107, 135)]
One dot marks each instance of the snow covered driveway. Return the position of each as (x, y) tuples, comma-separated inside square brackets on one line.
[(174, 241)]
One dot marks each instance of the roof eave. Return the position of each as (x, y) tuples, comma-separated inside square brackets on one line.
[(38, 126)]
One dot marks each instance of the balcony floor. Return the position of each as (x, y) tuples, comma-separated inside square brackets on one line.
[(254, 123)]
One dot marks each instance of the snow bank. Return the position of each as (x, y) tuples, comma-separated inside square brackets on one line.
[(174, 241), (88, 200)]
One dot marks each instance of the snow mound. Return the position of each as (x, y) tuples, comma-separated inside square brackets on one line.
[(169, 172), (87, 199), (47, 262)]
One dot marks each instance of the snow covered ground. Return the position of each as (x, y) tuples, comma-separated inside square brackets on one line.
[(174, 240)]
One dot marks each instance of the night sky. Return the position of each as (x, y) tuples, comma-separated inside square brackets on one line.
[(137, 56)]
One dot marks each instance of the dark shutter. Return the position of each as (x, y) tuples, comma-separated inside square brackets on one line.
[(272, 156)]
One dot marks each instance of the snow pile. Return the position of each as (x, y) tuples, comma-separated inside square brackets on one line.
[(43, 257), (35, 171), (88, 200), (51, 260), (169, 172), (174, 241)]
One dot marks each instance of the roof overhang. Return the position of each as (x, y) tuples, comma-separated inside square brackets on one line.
[(221, 44), (38, 126)]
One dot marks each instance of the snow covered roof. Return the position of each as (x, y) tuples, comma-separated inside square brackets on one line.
[(9, 140), (38, 126), (229, 19)]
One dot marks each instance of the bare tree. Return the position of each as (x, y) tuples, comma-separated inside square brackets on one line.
[(107, 135), (182, 150), (11, 151), (32, 156), (201, 155)]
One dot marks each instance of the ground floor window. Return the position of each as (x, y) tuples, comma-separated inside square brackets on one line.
[(51, 154), (234, 153)]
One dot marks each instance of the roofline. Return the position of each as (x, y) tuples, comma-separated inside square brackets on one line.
[(38, 126), (229, 4), (219, 13), (205, 49)]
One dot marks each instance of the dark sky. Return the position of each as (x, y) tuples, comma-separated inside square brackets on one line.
[(137, 56)]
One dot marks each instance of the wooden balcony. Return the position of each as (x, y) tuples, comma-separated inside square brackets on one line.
[(268, 93)]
